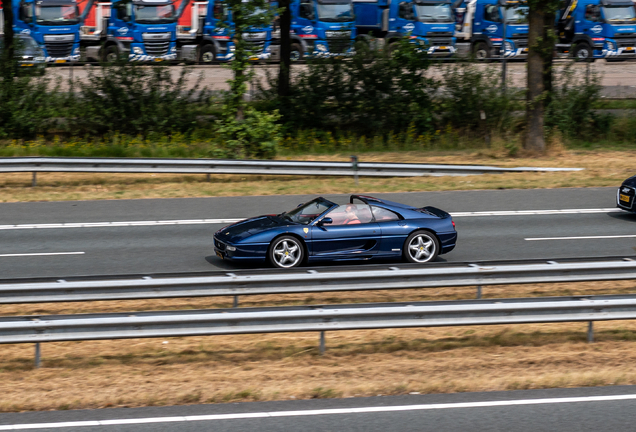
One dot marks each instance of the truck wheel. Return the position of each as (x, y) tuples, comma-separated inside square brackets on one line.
[(206, 54), (296, 52), (111, 55), (583, 52), (481, 51)]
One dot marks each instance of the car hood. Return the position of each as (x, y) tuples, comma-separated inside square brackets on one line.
[(630, 182), (248, 227)]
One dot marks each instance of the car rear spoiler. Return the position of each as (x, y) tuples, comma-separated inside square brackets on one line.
[(434, 211)]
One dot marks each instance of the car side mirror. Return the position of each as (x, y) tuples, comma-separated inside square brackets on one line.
[(325, 221)]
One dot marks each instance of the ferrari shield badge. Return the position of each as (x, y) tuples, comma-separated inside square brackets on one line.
[(306, 230)]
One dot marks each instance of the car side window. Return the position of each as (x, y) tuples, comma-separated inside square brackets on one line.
[(351, 214), (383, 215)]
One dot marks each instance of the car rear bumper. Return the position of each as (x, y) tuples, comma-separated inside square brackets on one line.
[(448, 241)]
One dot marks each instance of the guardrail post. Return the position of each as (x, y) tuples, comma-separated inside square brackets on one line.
[(322, 343), (478, 291), (34, 179), (37, 355), (354, 167), (208, 177), (236, 301), (590, 331)]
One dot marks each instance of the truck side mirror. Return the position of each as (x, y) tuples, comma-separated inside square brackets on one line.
[(306, 11)]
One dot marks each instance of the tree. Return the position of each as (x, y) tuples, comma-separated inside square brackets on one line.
[(245, 14), (541, 40), (284, 71), (7, 61)]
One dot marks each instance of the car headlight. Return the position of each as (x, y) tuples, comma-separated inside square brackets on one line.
[(507, 46), (230, 248), (321, 47)]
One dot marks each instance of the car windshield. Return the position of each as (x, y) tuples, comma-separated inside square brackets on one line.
[(308, 212), (335, 12), (440, 13), (57, 15), (516, 15), (163, 14), (615, 14)]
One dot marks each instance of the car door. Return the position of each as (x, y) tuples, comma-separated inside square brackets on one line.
[(393, 228), (346, 236)]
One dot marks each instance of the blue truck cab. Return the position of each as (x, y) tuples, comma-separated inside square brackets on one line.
[(591, 29), (429, 21), (322, 28), (53, 24), (480, 28), (206, 32), (137, 30)]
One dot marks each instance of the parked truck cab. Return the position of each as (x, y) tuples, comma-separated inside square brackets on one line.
[(205, 33), (480, 28), (53, 24), (429, 21), (591, 29), (137, 30), (322, 28)]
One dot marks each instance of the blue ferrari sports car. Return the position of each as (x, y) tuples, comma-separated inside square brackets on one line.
[(321, 230), (625, 195)]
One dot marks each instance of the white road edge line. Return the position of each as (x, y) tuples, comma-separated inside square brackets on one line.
[(41, 254), (581, 238), (233, 220), (335, 411)]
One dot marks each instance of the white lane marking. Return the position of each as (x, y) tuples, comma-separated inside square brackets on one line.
[(118, 224), (536, 212), (233, 220), (361, 410), (581, 238), (41, 254)]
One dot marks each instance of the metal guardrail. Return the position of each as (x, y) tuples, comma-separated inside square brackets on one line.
[(56, 328), (313, 281), (253, 167)]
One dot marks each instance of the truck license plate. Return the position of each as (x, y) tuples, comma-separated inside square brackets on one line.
[(60, 61)]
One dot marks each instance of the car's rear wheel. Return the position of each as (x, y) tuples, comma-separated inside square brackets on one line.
[(286, 252), (421, 247)]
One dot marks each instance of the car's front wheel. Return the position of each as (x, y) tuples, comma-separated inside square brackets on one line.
[(421, 247), (286, 252)]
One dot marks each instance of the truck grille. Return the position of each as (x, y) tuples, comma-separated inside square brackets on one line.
[(625, 42), (255, 47), (157, 48), (439, 41), (58, 49), (338, 45), (521, 43)]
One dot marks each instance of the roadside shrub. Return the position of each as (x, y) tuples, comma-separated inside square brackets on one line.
[(257, 135), (137, 100), (472, 100), (572, 103), (372, 92)]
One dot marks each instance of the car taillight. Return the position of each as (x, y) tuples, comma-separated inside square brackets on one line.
[(453, 222)]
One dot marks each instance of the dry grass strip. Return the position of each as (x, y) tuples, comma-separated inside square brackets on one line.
[(146, 372), (602, 168)]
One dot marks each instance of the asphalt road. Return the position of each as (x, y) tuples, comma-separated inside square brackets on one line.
[(153, 247), (564, 410)]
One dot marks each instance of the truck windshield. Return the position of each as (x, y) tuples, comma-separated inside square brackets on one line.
[(163, 14), (335, 12), (434, 13), (57, 15), (619, 14), (516, 15)]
